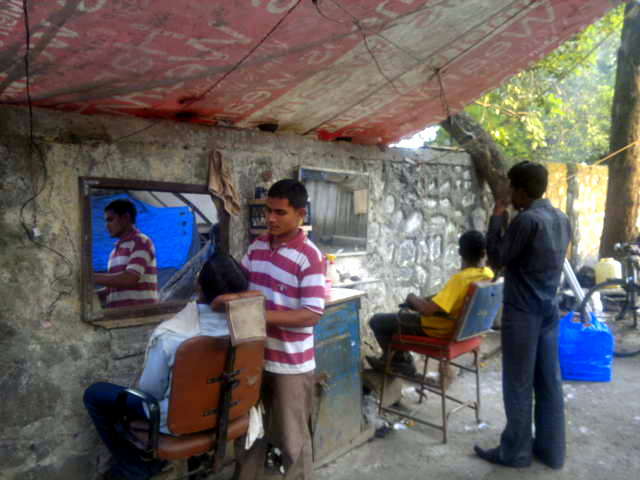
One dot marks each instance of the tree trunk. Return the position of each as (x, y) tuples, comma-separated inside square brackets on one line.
[(621, 213), (485, 154)]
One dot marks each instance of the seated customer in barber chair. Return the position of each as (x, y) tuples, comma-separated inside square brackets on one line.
[(435, 316), (219, 275)]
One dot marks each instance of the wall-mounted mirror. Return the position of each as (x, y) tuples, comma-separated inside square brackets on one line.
[(143, 245), (339, 209)]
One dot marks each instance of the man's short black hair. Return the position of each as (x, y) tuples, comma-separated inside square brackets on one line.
[(530, 177), (122, 206), (292, 190), (221, 274), (472, 246)]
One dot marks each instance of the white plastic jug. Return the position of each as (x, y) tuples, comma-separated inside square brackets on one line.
[(607, 269)]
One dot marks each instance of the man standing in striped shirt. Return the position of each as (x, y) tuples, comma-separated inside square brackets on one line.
[(289, 270), (132, 277)]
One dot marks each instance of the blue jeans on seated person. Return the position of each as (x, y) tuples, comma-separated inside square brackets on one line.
[(385, 325), (100, 402)]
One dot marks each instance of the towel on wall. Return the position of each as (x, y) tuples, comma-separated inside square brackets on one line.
[(221, 183)]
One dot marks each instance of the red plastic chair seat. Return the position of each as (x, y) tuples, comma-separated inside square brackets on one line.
[(439, 348)]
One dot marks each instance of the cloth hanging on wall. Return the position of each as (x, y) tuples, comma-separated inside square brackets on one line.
[(221, 183)]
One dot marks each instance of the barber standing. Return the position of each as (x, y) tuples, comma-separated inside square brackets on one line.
[(532, 249), (288, 269)]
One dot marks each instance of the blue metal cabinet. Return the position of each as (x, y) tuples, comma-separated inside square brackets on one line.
[(338, 417)]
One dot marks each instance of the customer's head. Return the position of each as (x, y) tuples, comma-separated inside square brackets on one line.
[(286, 207), (471, 247), (219, 275), (528, 183), (119, 216)]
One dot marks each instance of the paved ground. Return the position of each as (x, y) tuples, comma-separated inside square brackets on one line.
[(603, 436)]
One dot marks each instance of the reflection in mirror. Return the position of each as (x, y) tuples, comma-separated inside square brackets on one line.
[(146, 247), (339, 208)]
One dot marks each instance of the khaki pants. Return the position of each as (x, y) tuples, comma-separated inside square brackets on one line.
[(288, 401)]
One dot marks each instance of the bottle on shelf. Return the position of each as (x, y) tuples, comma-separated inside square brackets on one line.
[(332, 270)]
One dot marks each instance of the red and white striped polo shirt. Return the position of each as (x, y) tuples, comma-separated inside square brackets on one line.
[(135, 253), (291, 277)]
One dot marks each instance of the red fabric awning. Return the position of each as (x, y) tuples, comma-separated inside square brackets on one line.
[(371, 70)]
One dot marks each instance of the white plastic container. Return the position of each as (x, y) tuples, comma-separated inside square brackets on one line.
[(332, 271), (608, 269)]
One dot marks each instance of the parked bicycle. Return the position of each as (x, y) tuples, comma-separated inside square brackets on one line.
[(619, 299)]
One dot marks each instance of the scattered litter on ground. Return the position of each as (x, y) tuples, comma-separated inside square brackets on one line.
[(382, 431), (583, 430), (370, 411), (399, 426), (411, 394), (476, 426)]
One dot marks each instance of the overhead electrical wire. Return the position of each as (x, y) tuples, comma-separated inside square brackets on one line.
[(208, 90), (441, 68)]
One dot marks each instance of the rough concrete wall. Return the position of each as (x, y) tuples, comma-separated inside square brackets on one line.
[(558, 188), (48, 355), (580, 191), (588, 195)]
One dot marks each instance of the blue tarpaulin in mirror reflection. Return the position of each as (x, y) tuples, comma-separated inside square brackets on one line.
[(172, 229)]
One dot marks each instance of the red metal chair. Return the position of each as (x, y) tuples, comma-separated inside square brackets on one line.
[(482, 304)]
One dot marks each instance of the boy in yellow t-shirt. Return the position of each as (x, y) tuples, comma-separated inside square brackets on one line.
[(435, 316)]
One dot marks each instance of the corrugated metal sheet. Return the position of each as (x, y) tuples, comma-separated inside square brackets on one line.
[(364, 69)]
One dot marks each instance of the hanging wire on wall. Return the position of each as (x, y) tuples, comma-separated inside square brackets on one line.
[(32, 232)]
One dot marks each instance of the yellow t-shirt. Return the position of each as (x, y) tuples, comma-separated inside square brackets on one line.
[(451, 300)]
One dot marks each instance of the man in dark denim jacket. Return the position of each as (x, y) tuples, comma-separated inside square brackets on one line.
[(532, 250)]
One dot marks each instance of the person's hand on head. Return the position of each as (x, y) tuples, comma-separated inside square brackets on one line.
[(503, 200)]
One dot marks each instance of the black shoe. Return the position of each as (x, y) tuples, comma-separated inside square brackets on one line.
[(492, 455)]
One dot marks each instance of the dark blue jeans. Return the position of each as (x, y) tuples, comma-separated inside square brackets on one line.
[(532, 386), (385, 325), (100, 402)]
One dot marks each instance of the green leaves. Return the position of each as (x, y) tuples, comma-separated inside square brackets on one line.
[(560, 109)]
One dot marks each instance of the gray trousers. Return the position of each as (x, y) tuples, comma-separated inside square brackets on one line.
[(531, 370)]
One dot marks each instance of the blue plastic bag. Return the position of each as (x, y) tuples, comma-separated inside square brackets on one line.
[(586, 349)]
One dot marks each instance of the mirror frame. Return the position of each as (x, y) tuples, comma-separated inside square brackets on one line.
[(365, 175), (135, 315)]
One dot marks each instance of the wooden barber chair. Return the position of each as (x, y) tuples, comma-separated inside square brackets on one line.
[(215, 382), (482, 304)]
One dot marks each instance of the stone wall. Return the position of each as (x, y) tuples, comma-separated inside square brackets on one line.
[(580, 191), (49, 355), (586, 206)]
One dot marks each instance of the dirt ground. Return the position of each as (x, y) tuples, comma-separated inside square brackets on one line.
[(603, 436)]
